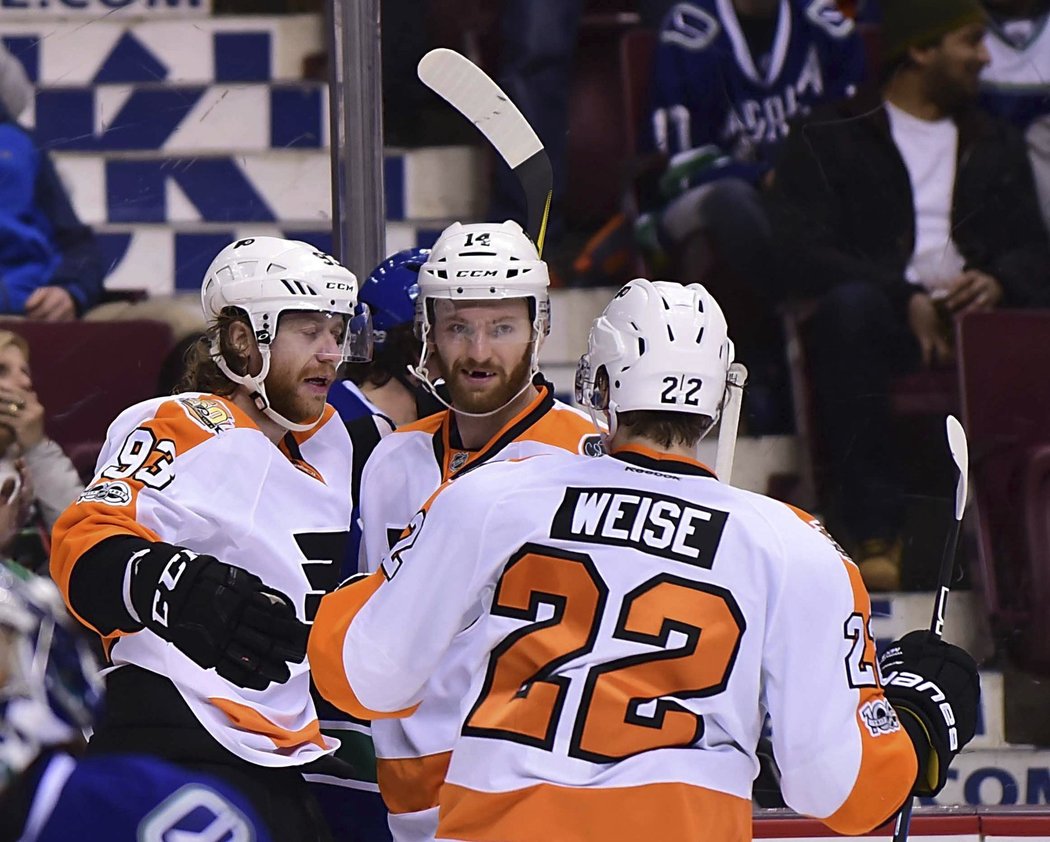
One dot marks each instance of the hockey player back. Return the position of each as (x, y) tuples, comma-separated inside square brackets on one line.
[(634, 620)]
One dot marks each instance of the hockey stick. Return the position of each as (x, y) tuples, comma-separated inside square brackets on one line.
[(469, 90), (960, 455), (729, 421)]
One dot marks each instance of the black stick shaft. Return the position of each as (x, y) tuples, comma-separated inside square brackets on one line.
[(944, 583)]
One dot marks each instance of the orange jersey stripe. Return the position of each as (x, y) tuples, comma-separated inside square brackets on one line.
[(561, 428), (325, 648), (249, 719), (888, 764), (412, 784), (669, 812), (85, 524)]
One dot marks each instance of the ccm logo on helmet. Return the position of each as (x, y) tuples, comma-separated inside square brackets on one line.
[(339, 285), (477, 273)]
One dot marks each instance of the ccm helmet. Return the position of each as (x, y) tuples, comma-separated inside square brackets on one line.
[(663, 346), (264, 277), (481, 262)]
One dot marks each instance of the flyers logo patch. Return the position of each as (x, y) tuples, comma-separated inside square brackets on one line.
[(212, 415)]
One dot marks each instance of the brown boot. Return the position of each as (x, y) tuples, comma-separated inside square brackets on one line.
[(879, 560)]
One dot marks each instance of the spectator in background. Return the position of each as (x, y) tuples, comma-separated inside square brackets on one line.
[(50, 266), (727, 79), (1016, 85), (54, 480), (903, 210)]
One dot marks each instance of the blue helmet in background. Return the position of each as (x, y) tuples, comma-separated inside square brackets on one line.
[(390, 291)]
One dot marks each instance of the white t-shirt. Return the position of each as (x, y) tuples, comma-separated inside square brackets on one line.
[(929, 149)]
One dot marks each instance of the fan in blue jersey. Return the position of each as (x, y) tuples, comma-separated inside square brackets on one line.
[(728, 77), (50, 691), (1016, 85)]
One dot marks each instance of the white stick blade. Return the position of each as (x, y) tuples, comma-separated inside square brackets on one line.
[(961, 455), (470, 91), (730, 420)]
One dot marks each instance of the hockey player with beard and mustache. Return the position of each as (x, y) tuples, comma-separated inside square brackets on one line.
[(482, 314), (214, 524)]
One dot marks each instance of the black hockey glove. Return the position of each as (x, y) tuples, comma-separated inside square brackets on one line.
[(217, 615), (935, 688)]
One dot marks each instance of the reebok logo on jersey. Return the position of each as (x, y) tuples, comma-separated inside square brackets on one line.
[(653, 523), (879, 717)]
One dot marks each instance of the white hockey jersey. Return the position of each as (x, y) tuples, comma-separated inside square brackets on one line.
[(632, 622), (403, 471), (195, 471)]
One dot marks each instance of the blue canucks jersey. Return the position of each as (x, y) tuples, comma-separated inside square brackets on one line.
[(1016, 85), (708, 89), (127, 798), (349, 401)]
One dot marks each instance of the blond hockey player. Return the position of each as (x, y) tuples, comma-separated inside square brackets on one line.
[(214, 524)]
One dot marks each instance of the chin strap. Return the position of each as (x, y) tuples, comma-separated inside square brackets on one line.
[(256, 387), (422, 374)]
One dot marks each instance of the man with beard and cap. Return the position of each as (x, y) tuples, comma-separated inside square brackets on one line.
[(214, 524), (901, 211), (482, 313)]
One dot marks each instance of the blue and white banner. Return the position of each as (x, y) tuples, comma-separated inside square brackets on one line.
[(162, 260), (221, 119), (277, 186), (205, 51)]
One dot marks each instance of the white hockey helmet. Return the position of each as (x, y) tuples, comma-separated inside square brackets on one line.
[(663, 346), (479, 262), (264, 277)]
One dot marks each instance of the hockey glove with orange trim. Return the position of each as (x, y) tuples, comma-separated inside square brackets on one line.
[(216, 614), (935, 688)]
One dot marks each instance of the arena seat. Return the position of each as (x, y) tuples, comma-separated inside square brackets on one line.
[(86, 373), (1006, 412)]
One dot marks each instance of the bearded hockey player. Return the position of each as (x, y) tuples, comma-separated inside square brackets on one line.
[(482, 313), (214, 524)]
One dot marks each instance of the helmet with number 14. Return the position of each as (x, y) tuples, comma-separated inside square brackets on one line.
[(482, 313)]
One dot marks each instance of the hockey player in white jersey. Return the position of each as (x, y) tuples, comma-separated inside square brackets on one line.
[(215, 522), (482, 313), (632, 620)]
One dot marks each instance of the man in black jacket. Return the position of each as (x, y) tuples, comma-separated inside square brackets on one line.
[(902, 211)]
